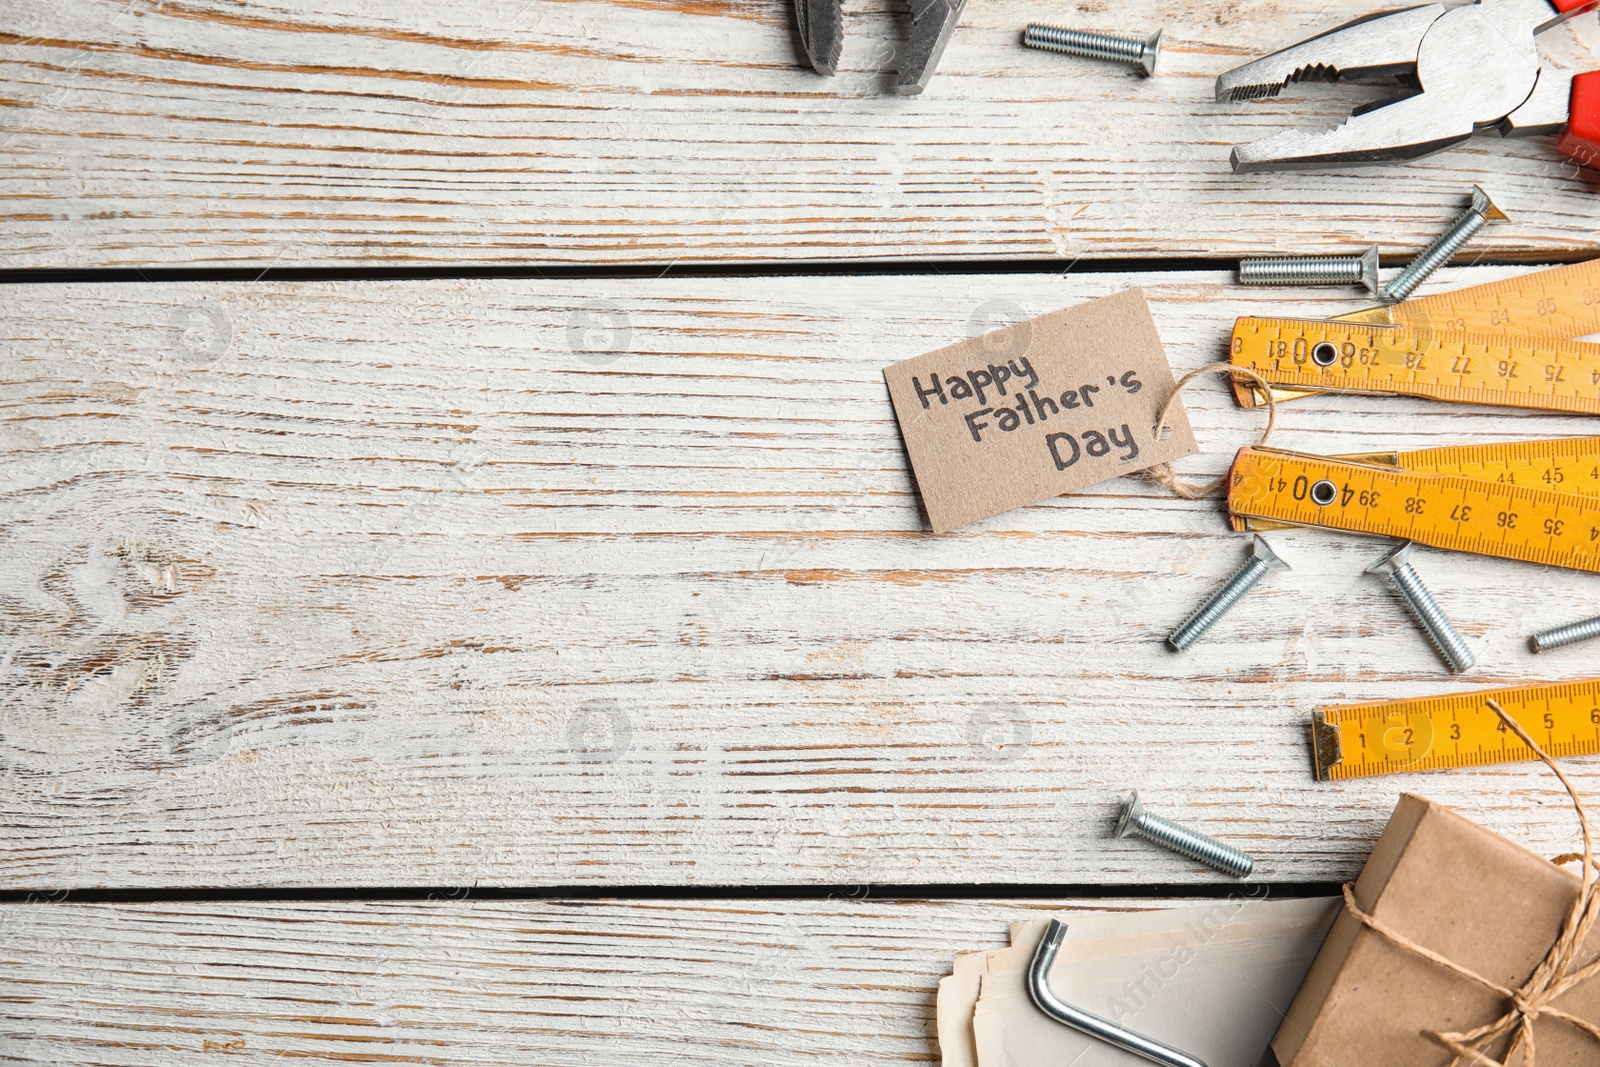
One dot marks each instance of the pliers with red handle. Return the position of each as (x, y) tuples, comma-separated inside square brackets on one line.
[(1464, 69)]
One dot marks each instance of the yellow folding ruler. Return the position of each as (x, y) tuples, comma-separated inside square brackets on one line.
[(1537, 501), (1459, 730), (1505, 343)]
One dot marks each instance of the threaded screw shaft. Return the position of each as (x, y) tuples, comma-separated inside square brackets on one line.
[(1562, 636), (1169, 835), (1396, 567), (1262, 559), (1312, 270), (1141, 54), (1445, 246), (1445, 637), (1244, 579)]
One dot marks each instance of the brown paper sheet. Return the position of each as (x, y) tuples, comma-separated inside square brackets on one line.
[(958, 996), (1466, 893), (1210, 979), (1037, 409)]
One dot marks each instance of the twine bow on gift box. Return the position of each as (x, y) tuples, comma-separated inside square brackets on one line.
[(1557, 973)]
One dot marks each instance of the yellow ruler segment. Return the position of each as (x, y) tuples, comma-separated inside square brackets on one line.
[(1559, 302), (1324, 356), (1459, 730), (1562, 464), (1441, 510), (1530, 313)]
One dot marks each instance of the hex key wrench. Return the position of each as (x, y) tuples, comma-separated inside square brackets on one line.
[(1085, 1022)]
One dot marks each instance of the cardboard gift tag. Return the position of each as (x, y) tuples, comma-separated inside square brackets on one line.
[(1037, 409)]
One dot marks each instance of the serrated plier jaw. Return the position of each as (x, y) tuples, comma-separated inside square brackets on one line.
[(821, 26), (1459, 70), (933, 22)]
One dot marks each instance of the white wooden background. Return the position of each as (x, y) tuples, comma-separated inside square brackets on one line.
[(441, 583), (403, 132), (557, 984), (606, 582)]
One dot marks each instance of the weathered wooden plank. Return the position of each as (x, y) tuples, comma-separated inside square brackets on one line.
[(476, 982), (542, 131), (522, 582)]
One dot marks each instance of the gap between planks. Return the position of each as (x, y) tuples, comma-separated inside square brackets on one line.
[(313, 134), (522, 583)]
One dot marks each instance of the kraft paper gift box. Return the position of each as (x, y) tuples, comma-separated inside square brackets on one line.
[(1474, 898)]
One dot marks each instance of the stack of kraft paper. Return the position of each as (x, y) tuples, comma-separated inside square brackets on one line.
[(1213, 980)]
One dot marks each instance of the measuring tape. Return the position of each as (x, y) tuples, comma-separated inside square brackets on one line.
[(1459, 730), (1562, 464), (1467, 514), (1504, 343)]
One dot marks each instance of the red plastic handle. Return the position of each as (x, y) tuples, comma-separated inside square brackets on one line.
[(1566, 6), (1581, 138)]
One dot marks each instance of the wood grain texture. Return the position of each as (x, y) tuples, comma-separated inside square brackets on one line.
[(560, 984), (308, 132), (625, 581)]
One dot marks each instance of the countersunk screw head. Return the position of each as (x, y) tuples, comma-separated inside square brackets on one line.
[(1397, 557), (1395, 565), (1262, 560), (1132, 812), (1445, 246), (1369, 270), (1150, 53), (1137, 53), (1263, 551), (1182, 840), (1483, 204)]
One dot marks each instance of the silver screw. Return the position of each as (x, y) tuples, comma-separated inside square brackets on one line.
[(1396, 566), (1446, 245), (1312, 270), (1168, 834), (1262, 559), (1131, 50), (1562, 636)]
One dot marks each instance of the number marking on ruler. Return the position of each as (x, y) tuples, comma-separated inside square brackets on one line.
[(1441, 510), (1492, 343), (1557, 302), (1562, 464), (1459, 730), (1346, 357)]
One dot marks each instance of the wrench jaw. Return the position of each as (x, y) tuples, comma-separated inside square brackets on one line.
[(933, 22), (1377, 46)]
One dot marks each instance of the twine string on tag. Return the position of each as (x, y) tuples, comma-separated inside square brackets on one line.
[(1555, 974), (1162, 473)]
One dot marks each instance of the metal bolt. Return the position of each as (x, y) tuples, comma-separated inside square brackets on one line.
[(1131, 50), (1262, 559), (1312, 270), (1562, 636), (1447, 244), (1168, 834), (1396, 566)]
